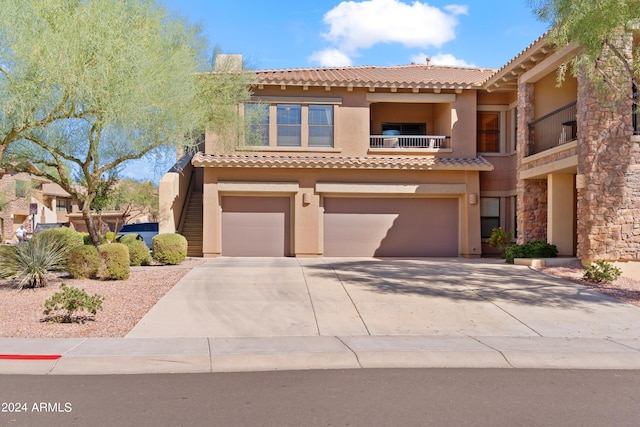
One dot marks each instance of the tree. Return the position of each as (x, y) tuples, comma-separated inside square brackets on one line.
[(595, 27), (135, 198), (86, 85)]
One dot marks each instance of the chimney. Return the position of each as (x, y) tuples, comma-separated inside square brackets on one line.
[(428, 61)]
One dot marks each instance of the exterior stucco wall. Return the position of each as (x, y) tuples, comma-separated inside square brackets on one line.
[(307, 210)]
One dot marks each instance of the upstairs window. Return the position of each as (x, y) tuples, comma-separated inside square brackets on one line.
[(320, 125), (405, 128), (289, 122), (488, 135), (61, 205)]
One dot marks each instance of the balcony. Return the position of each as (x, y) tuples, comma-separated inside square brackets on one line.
[(553, 129), (409, 141)]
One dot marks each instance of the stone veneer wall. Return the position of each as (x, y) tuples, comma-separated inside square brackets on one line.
[(532, 194), (609, 205)]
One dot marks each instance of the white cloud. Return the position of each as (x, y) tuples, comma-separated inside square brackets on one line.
[(360, 25), (331, 58), (440, 59)]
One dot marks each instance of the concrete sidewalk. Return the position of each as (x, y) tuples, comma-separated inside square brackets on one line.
[(95, 356), (235, 314)]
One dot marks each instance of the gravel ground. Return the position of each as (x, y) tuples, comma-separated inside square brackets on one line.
[(623, 289), (125, 303)]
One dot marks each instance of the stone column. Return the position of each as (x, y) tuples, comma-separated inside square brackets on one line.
[(609, 204), (532, 194)]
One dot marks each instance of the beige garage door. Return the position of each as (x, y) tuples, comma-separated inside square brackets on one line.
[(255, 226), (390, 227)]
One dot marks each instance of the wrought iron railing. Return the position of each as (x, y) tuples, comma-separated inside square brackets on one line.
[(553, 129), (409, 141)]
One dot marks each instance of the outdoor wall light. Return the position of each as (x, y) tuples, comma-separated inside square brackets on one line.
[(473, 199)]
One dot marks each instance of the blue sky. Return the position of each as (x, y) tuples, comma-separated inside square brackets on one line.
[(300, 34)]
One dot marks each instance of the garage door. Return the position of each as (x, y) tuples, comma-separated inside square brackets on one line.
[(255, 226), (415, 227)]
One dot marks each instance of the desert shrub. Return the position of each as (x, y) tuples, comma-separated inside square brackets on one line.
[(532, 249), (138, 251), (500, 239), (83, 262), (31, 262), (127, 238), (601, 272), (114, 261), (169, 248), (110, 236), (70, 237), (68, 301)]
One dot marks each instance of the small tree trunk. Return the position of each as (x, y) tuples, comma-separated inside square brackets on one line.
[(91, 226)]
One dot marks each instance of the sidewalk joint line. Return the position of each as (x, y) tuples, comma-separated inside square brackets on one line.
[(351, 299), (306, 283), (492, 348), (351, 350), (490, 301)]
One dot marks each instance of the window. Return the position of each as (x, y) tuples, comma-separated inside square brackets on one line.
[(488, 138), (21, 188), (61, 205), (489, 215), (257, 117), (405, 128), (320, 125), (289, 121)]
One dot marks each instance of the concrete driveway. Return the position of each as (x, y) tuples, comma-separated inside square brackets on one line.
[(286, 297)]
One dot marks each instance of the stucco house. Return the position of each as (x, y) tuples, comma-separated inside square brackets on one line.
[(416, 160)]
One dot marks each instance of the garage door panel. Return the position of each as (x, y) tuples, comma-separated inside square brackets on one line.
[(390, 227), (255, 226)]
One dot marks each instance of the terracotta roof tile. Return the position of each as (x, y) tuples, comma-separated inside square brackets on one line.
[(341, 162), (409, 76)]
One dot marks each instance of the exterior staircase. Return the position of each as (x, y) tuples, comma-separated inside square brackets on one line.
[(192, 227)]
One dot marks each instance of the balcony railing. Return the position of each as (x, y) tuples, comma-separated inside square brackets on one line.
[(553, 129), (409, 141)]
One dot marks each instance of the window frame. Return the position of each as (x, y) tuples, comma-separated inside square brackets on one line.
[(484, 218), (481, 132)]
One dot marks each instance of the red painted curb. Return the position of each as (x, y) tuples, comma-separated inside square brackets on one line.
[(30, 356)]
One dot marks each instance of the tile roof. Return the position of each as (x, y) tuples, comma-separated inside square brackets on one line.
[(341, 162), (408, 76)]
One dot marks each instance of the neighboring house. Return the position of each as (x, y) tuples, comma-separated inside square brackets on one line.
[(18, 192), (417, 160)]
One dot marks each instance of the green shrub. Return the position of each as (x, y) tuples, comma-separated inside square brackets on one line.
[(68, 301), (169, 248), (128, 238), (83, 262), (114, 261), (32, 261), (601, 272), (532, 249), (500, 239), (110, 236), (70, 237), (138, 252)]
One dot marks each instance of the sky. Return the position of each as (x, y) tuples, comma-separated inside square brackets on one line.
[(333, 33)]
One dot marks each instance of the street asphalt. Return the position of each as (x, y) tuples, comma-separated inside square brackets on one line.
[(259, 314)]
